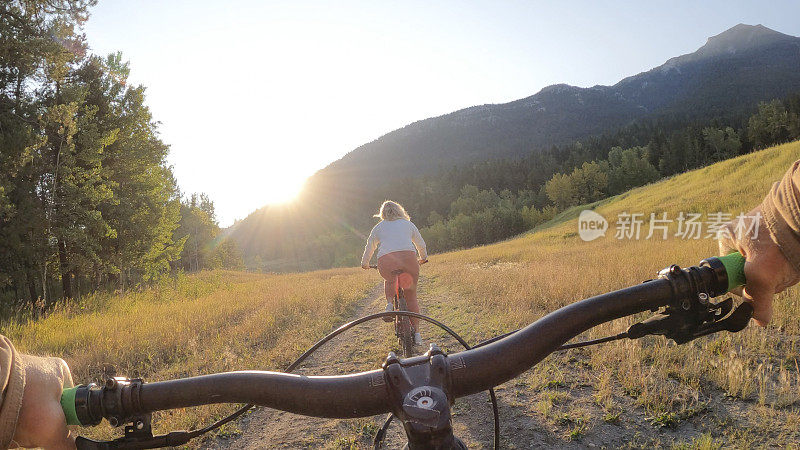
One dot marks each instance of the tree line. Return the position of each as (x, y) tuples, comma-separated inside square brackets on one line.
[(480, 203), (87, 199), (593, 169)]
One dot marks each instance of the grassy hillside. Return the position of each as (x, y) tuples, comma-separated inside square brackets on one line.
[(500, 287), (740, 390), (552, 266)]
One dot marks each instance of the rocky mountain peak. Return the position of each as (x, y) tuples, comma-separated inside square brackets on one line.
[(739, 38)]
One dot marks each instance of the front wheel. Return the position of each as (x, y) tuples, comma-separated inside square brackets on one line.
[(404, 331), (406, 341)]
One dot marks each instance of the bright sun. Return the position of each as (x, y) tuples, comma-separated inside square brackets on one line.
[(281, 187), (261, 182)]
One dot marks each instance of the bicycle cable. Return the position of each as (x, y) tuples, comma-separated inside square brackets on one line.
[(586, 343), (382, 432)]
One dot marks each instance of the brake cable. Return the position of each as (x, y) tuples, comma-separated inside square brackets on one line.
[(723, 317), (382, 432)]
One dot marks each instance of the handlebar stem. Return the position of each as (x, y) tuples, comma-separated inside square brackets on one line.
[(419, 390)]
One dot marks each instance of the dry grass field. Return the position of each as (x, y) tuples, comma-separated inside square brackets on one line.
[(739, 390), (209, 322), (507, 285)]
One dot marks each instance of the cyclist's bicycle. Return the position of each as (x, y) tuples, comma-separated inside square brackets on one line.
[(419, 391), (403, 328)]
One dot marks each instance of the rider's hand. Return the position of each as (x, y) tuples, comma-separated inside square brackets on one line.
[(41, 420), (767, 271)]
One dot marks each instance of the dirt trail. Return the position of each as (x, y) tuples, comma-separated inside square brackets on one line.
[(361, 348), (347, 353), (521, 421)]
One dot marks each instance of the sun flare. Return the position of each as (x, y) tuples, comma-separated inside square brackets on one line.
[(281, 187)]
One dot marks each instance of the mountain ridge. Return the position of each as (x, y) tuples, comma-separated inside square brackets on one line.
[(561, 113), (696, 86)]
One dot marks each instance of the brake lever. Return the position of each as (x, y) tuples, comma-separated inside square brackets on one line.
[(724, 307), (734, 322), (172, 439), (138, 435), (660, 324), (678, 326)]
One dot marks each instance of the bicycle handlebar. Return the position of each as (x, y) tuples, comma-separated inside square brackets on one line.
[(366, 393), (345, 396)]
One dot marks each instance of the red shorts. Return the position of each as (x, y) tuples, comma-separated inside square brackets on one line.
[(403, 260)]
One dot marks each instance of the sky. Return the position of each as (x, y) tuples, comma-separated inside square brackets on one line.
[(254, 96)]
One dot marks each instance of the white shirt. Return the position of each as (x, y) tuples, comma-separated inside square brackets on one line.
[(394, 236)]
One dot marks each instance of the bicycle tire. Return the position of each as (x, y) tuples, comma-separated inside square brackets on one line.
[(397, 319), (408, 345), (405, 335)]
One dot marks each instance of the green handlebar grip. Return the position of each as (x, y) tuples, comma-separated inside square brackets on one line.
[(68, 405), (734, 265)]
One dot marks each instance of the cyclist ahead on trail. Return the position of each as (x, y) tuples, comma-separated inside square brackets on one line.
[(398, 241)]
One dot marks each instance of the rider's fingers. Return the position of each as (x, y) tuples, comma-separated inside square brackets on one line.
[(767, 272), (53, 434), (760, 293)]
